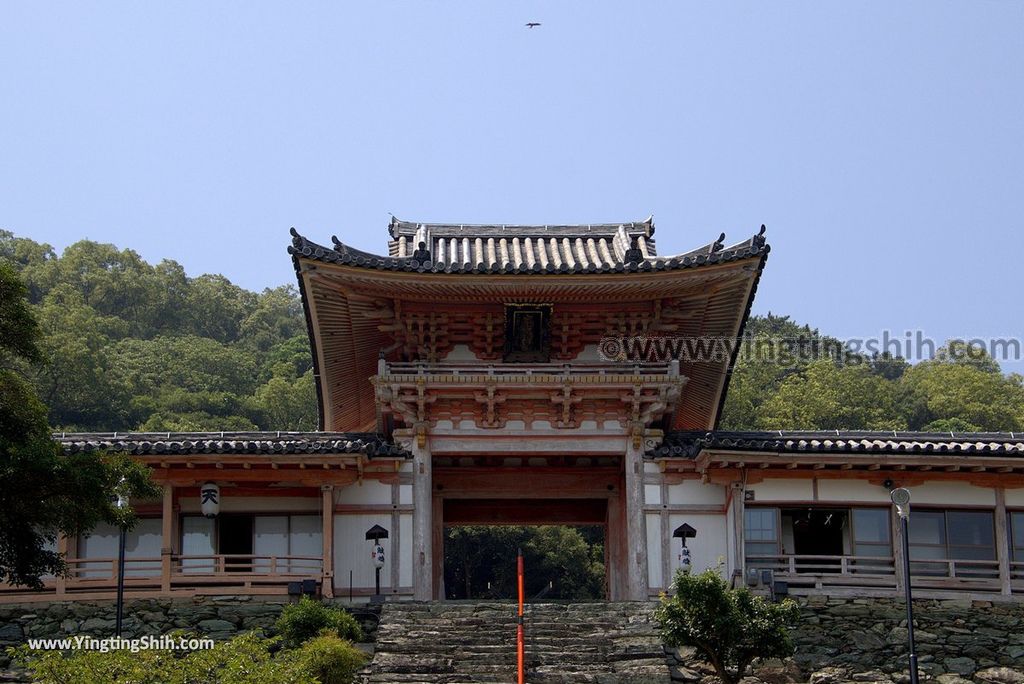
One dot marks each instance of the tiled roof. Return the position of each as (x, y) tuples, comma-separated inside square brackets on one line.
[(688, 445), (604, 248), (150, 443), (600, 244)]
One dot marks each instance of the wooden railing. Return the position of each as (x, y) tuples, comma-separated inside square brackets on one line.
[(948, 573), (247, 564), (247, 573), (822, 572), (828, 571), (1017, 576), (528, 369)]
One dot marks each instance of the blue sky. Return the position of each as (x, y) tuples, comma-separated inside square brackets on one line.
[(881, 142)]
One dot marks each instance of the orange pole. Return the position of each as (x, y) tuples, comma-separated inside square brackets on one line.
[(520, 647)]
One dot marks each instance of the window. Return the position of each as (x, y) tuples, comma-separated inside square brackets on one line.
[(955, 535), (872, 538), (527, 333), (762, 531), (141, 550), (240, 537), (1017, 537)]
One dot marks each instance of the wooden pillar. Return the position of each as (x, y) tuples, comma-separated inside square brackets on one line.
[(167, 538), (327, 534), (60, 581), (1002, 541), (438, 532), (636, 525), (666, 539), (395, 566), (616, 550), (422, 525)]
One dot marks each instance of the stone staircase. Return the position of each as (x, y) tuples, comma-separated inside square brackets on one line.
[(604, 643)]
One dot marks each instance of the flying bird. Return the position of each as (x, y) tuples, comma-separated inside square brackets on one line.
[(532, 24)]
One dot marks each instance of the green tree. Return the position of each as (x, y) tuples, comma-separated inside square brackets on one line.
[(830, 397), (44, 492), (729, 628), (77, 382), (561, 562), (962, 393), (277, 316), (288, 404), (216, 308)]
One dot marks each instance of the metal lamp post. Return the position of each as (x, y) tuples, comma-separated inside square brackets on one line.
[(901, 498), (122, 503), (375, 534)]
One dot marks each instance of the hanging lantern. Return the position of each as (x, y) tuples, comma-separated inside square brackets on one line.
[(209, 499)]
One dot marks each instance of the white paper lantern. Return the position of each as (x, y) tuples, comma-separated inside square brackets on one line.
[(209, 499)]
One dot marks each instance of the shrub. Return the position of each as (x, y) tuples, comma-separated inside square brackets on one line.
[(246, 659), (330, 659), (306, 619), (729, 628)]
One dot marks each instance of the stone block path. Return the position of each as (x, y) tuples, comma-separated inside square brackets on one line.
[(603, 643)]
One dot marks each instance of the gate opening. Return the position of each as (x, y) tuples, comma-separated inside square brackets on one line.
[(563, 562), (563, 542)]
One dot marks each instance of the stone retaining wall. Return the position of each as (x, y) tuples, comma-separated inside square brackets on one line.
[(865, 640), (220, 617), (838, 640)]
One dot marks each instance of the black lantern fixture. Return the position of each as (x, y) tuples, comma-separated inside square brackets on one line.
[(684, 532), (375, 534)]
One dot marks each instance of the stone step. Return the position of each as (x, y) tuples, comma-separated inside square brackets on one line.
[(447, 643)]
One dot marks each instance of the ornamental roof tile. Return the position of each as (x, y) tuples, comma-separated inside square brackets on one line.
[(604, 248), (150, 443), (689, 445)]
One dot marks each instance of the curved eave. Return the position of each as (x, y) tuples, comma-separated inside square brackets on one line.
[(327, 276), (344, 255)]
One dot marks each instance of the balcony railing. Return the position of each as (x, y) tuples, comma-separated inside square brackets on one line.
[(820, 572), (476, 368), (962, 574), (246, 573), (824, 572)]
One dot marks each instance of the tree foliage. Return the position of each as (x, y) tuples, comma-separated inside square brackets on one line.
[(302, 621), (561, 562), (791, 377), (246, 659), (729, 628), (133, 346), (42, 491)]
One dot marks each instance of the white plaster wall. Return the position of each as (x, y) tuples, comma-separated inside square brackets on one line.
[(651, 469), (696, 492), (952, 494), (461, 352), (405, 552), (709, 548), (352, 551), (405, 494), (1015, 497), (366, 492), (652, 494), (654, 551), (256, 504), (783, 490), (852, 490)]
